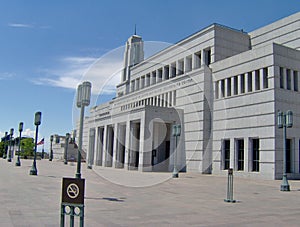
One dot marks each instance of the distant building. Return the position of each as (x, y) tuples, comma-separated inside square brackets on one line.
[(58, 147), (223, 86)]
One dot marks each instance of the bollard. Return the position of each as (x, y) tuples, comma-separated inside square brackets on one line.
[(229, 198)]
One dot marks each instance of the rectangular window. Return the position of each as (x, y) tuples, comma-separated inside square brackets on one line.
[(243, 83), (159, 75), (265, 78), (207, 57), (173, 69), (197, 63), (137, 84), (188, 63), (240, 154), (296, 81), (288, 79), (132, 85), (180, 67), (217, 89), (299, 154), (249, 81), (142, 82), (167, 72), (281, 77), (222, 88), (235, 85), (228, 86), (255, 155), (226, 154), (257, 80)]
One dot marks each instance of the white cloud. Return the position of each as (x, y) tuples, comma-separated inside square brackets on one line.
[(24, 25), (103, 73), (28, 132), (6, 75), (20, 25)]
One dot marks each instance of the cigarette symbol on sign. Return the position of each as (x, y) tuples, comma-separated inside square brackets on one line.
[(73, 190)]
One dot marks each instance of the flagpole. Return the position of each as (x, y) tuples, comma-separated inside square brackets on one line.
[(43, 151)]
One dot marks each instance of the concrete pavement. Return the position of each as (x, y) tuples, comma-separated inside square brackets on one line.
[(128, 198)]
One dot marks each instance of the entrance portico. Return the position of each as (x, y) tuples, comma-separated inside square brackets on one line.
[(140, 140)]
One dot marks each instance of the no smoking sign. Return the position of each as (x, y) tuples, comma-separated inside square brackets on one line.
[(73, 190)]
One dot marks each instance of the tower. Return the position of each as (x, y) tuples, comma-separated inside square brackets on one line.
[(134, 54)]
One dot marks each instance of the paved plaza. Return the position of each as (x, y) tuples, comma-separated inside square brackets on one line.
[(120, 198)]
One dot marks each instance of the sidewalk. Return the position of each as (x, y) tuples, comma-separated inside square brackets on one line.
[(116, 197)]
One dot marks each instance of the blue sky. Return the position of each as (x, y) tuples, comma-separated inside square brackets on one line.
[(46, 47)]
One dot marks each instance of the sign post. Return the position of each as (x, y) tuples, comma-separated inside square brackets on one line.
[(72, 202)]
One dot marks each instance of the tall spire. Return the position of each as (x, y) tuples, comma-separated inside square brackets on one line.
[(135, 29)]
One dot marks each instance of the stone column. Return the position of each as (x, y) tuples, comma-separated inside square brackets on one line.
[(90, 156), (104, 159), (115, 145), (163, 73), (247, 154), (227, 86), (99, 147), (203, 57), (174, 98), (144, 163), (170, 98), (127, 144), (253, 81), (239, 84), (292, 79)]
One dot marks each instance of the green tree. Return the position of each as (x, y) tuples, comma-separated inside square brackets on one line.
[(2, 148), (27, 147)]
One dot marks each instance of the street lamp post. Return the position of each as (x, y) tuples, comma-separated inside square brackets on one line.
[(83, 99), (43, 152), (66, 148), (51, 151), (175, 132), (37, 122), (18, 163), (5, 146), (10, 145), (284, 120)]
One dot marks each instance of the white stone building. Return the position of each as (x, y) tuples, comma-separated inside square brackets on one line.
[(58, 148), (223, 86)]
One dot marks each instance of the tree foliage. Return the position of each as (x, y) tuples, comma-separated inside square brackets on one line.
[(27, 147), (2, 148)]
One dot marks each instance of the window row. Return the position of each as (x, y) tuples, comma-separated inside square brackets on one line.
[(288, 79), (167, 99), (239, 158), (184, 65), (243, 83)]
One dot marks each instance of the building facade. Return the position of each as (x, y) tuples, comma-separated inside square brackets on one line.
[(223, 86), (58, 148)]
